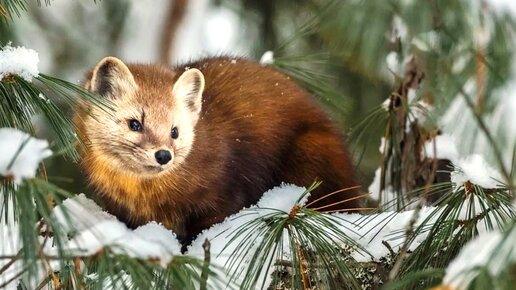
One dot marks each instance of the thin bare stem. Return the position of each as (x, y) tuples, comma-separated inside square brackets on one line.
[(409, 233), (332, 193), (342, 201), (349, 209), (13, 278), (205, 266), (10, 263)]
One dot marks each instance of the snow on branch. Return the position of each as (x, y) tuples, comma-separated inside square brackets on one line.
[(18, 61), (377, 236), (21, 154), (267, 58), (492, 253), (97, 229), (476, 170), (445, 148)]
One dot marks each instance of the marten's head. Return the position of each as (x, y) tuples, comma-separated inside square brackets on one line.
[(151, 127)]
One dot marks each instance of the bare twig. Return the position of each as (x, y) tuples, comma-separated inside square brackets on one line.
[(44, 282), (388, 246), (13, 278), (302, 268), (13, 259), (342, 201), (409, 233), (205, 266), (480, 66), (3, 12), (332, 193)]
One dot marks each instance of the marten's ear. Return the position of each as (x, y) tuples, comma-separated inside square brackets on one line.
[(189, 87), (112, 78)]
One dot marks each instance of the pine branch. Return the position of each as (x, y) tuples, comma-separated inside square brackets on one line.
[(312, 240)]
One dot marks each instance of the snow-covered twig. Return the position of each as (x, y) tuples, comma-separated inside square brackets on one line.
[(18, 61), (21, 154)]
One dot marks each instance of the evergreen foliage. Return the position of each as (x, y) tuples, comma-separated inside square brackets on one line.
[(313, 243)]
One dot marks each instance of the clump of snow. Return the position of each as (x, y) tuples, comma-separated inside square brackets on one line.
[(386, 196), (493, 250), (411, 95), (382, 145), (85, 213), (385, 105), (21, 154), (503, 6), (18, 61), (476, 170), (399, 27), (371, 231), (281, 198), (419, 110), (267, 58), (96, 229), (426, 41), (445, 148), (393, 63)]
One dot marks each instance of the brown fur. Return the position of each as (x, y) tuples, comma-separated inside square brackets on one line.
[(257, 128)]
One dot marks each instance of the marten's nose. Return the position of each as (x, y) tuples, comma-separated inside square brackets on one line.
[(163, 156)]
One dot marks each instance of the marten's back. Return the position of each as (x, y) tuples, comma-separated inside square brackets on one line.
[(272, 131), (256, 129)]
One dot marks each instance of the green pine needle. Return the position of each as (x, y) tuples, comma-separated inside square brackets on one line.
[(314, 243)]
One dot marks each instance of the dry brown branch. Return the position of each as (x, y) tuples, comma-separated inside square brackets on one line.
[(206, 265)]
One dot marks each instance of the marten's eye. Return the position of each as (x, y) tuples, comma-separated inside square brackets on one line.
[(134, 125), (174, 133)]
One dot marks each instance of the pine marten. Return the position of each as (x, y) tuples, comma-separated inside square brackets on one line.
[(191, 145)]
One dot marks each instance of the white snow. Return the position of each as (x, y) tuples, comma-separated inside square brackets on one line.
[(382, 145), (97, 229), (18, 61), (458, 121), (400, 28), (476, 170), (419, 110), (370, 231), (492, 250), (445, 148), (474, 254), (154, 241), (21, 154), (387, 196), (19, 159), (267, 58), (91, 229), (10, 241), (393, 63), (426, 41), (503, 6), (281, 198)]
